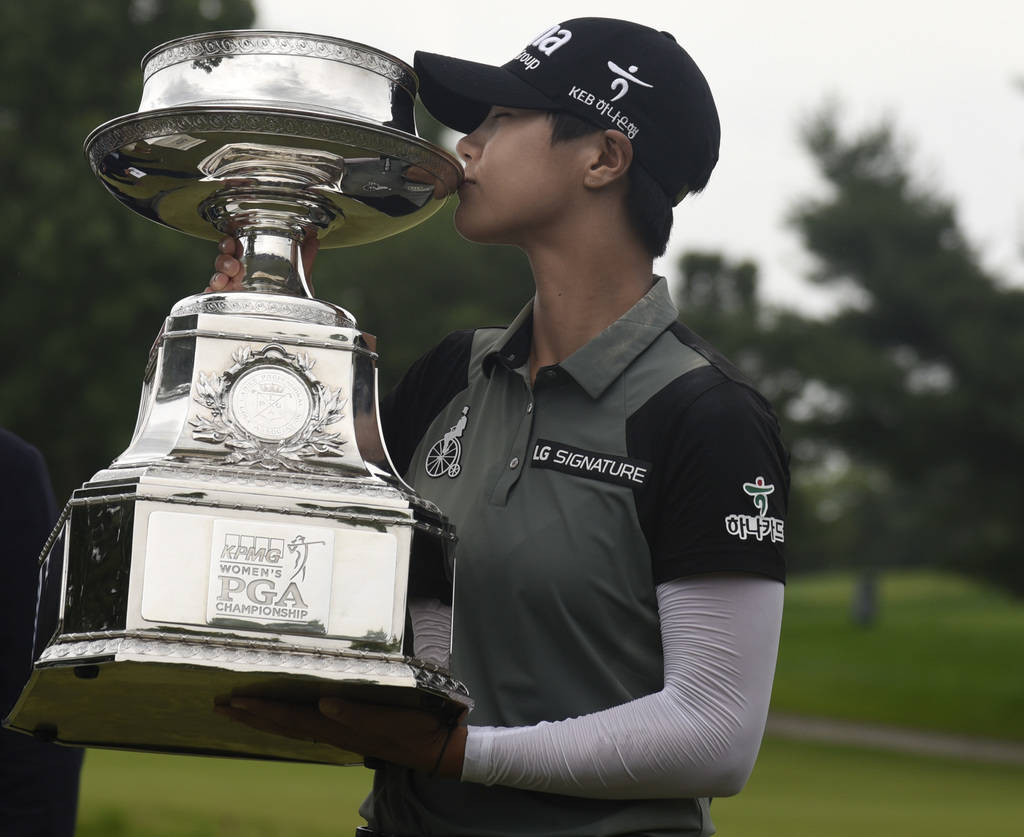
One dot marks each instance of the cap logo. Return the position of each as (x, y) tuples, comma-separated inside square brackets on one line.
[(551, 39), (621, 84), (616, 117)]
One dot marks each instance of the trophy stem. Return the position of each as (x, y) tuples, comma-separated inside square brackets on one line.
[(272, 263)]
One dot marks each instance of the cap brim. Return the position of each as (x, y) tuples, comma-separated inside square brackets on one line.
[(459, 93)]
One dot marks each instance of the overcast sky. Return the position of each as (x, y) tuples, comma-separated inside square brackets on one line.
[(945, 70)]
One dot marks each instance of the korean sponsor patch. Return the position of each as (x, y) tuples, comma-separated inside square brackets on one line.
[(760, 526)]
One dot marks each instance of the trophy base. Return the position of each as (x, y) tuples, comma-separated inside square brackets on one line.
[(130, 691), (253, 540)]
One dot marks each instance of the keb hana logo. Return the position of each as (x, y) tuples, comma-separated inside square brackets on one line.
[(623, 77), (758, 526)]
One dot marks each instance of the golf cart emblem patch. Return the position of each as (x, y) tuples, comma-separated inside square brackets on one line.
[(445, 454), (759, 526)]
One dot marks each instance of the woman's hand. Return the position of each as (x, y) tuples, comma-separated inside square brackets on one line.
[(228, 273), (228, 269), (408, 737)]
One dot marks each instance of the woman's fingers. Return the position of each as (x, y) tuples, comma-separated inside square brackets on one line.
[(409, 737), (230, 246), (310, 247), (218, 282), (290, 720), (228, 265)]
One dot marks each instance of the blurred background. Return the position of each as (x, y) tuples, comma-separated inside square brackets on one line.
[(858, 252)]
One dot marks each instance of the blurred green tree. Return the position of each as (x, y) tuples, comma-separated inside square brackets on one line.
[(89, 282), (903, 408)]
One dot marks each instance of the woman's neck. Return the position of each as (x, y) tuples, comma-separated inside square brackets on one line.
[(579, 294)]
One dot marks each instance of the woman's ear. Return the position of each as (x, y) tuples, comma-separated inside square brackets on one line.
[(613, 155)]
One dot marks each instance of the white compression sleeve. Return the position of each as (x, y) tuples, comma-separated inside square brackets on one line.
[(431, 630), (698, 736)]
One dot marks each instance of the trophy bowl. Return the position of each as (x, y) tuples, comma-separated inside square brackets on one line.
[(275, 133), (254, 538)]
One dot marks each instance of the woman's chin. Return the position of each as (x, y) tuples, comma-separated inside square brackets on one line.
[(476, 232)]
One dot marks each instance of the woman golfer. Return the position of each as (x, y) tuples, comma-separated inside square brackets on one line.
[(619, 593)]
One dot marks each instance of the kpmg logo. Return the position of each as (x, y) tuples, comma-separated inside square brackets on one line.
[(271, 575), (253, 583), (261, 551)]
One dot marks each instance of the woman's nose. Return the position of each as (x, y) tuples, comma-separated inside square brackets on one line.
[(466, 147)]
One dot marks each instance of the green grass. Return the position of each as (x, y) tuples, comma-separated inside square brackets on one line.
[(797, 789), (802, 789), (944, 654), (127, 794)]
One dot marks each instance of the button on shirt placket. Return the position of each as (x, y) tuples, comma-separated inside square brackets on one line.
[(518, 455)]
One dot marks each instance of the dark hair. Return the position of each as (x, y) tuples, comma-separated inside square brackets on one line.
[(647, 206)]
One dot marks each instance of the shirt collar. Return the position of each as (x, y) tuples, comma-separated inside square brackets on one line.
[(513, 347), (601, 361)]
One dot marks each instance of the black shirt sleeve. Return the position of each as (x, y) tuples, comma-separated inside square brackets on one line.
[(38, 781), (716, 500), (27, 514), (405, 414), (431, 382)]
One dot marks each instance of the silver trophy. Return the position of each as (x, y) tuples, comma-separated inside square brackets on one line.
[(254, 538)]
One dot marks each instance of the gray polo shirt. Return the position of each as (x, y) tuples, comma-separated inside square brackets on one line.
[(642, 458)]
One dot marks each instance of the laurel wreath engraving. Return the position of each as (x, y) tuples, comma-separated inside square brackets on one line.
[(219, 428)]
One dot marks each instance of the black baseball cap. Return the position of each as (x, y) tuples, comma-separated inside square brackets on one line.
[(611, 73)]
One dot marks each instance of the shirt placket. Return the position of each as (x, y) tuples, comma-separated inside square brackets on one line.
[(518, 452)]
